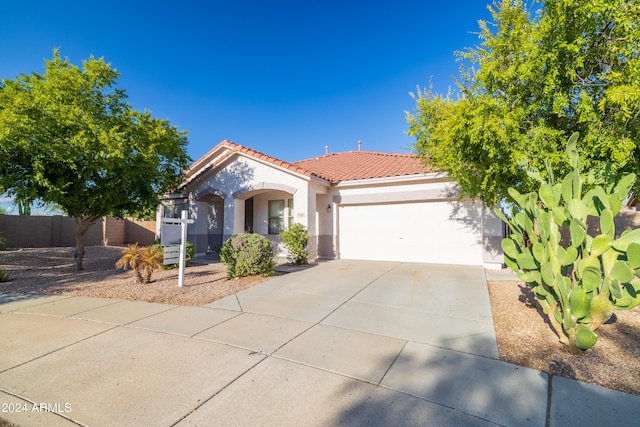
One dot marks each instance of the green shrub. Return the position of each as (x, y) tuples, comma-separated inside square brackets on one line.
[(579, 284), (5, 276), (190, 253), (247, 254), (295, 239)]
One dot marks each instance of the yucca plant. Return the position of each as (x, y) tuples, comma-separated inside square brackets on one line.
[(580, 283), (5, 276)]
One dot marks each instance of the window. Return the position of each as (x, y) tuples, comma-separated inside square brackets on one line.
[(279, 212), (290, 203), (276, 216)]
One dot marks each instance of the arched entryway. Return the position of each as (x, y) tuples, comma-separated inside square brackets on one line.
[(266, 209), (213, 205)]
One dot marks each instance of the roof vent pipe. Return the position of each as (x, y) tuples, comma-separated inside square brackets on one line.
[(359, 145), (326, 150)]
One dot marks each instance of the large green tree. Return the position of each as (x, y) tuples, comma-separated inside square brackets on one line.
[(69, 137), (538, 75)]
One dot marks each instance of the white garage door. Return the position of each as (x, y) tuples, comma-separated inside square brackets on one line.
[(432, 232)]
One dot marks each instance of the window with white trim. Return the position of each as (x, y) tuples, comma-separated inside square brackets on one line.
[(276, 216), (290, 205), (280, 215)]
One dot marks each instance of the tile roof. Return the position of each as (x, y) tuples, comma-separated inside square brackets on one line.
[(334, 167), (352, 165), (210, 161), (267, 158)]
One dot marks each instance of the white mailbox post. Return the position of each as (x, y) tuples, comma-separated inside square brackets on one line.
[(175, 248)]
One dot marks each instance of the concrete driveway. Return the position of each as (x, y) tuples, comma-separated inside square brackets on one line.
[(342, 342), (442, 305)]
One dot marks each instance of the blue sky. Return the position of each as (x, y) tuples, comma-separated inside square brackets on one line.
[(282, 77)]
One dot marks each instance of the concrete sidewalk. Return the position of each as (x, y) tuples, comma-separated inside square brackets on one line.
[(342, 342)]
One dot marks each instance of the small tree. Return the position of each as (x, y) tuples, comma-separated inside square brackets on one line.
[(68, 137), (539, 75), (295, 239), (580, 283)]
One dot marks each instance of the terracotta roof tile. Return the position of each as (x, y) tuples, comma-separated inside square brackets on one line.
[(352, 165), (197, 169), (257, 154), (334, 167)]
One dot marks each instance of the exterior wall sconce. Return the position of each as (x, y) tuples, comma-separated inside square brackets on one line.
[(329, 208)]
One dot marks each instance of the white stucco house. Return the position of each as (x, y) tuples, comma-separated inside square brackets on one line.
[(355, 205)]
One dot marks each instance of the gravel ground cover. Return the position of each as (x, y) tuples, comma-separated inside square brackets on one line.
[(49, 271), (525, 339)]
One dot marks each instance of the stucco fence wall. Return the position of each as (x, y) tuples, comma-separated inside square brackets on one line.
[(26, 231)]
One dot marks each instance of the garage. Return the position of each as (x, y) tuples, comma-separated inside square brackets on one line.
[(431, 232), (355, 204)]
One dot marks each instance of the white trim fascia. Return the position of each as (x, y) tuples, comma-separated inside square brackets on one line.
[(433, 176), (320, 181), (208, 159), (205, 163)]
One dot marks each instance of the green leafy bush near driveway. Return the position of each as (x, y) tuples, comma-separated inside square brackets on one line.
[(247, 255), (295, 239)]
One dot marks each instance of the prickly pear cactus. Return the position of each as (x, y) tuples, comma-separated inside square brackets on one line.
[(579, 283)]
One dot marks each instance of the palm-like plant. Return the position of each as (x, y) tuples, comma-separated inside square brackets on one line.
[(143, 261), (151, 258), (131, 258)]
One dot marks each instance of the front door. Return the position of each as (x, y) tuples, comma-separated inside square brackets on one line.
[(248, 215)]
